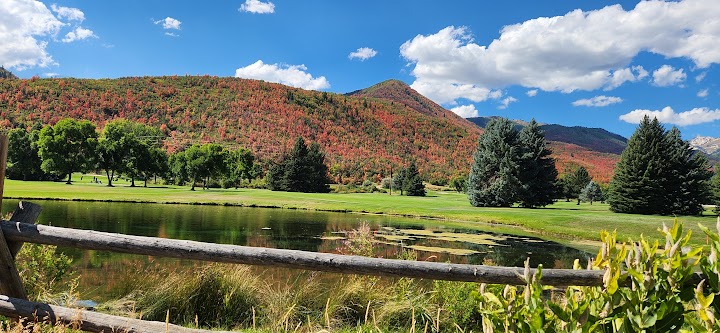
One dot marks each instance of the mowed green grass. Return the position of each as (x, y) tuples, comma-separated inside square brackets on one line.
[(564, 220)]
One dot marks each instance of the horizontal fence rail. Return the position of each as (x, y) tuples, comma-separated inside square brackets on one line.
[(185, 249), (86, 320)]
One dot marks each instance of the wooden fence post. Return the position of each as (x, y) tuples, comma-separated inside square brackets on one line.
[(26, 212), (10, 283)]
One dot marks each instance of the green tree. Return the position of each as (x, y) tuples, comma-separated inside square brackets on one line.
[(715, 190), (157, 164), (413, 184), (459, 183), (658, 174), (494, 176), (113, 148), (302, 170), (575, 182), (241, 164), (686, 178), (23, 158), (537, 168), (67, 147), (177, 170), (591, 192), (203, 162)]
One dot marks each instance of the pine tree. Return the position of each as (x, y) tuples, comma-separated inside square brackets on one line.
[(575, 182), (658, 173), (715, 190), (686, 178), (413, 184), (302, 170), (493, 180), (591, 192), (537, 169)]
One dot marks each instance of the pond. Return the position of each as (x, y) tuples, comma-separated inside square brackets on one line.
[(281, 228)]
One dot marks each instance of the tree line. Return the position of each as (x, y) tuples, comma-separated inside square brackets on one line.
[(658, 173)]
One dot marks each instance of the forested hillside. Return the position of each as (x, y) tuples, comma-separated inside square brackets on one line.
[(363, 137)]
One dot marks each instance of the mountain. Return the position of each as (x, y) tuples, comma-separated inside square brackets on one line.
[(363, 136), (6, 74), (595, 139), (707, 145), (593, 148)]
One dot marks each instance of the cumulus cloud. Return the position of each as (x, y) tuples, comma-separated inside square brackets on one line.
[(703, 93), (23, 27), (506, 102), (257, 7), (363, 53), (78, 34), (72, 14), (700, 76), (466, 111), (292, 75), (668, 115), (169, 23), (667, 76), (577, 51), (597, 101), (532, 93)]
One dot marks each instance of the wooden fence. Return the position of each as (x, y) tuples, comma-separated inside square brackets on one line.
[(20, 228)]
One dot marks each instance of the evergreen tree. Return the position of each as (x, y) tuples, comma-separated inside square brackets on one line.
[(658, 174), (399, 180), (591, 192), (686, 178), (494, 176), (413, 184), (537, 169), (715, 190), (302, 170), (575, 182)]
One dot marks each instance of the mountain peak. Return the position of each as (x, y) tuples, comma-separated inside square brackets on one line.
[(398, 91), (706, 144), (6, 74)]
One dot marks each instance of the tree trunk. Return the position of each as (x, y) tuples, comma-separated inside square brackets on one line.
[(110, 176), (132, 181), (69, 181)]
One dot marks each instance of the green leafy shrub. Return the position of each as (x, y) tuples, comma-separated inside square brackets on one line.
[(42, 270)]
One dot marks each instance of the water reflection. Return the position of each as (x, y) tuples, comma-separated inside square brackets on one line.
[(286, 229)]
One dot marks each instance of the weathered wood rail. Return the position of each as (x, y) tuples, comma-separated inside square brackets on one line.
[(185, 249)]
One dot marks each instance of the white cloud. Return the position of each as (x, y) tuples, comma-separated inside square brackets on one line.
[(50, 74), (577, 51), (78, 34), (23, 27), (597, 101), (668, 76), (700, 76), (169, 23), (532, 93), (72, 14), (668, 115), (363, 53), (506, 102), (257, 7), (171, 34), (466, 111), (703, 93), (292, 75)]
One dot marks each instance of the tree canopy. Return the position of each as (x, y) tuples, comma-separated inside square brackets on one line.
[(67, 147), (301, 170), (658, 173), (511, 167)]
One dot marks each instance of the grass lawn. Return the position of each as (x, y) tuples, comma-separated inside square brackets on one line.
[(564, 220)]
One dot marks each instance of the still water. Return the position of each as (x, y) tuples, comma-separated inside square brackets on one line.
[(281, 228)]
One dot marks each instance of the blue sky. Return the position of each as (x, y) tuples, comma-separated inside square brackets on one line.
[(576, 63)]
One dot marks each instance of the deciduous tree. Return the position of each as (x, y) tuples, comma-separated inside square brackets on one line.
[(67, 147)]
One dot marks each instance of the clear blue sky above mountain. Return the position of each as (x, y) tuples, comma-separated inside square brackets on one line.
[(588, 63)]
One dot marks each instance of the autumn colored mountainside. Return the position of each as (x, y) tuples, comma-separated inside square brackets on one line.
[(363, 137)]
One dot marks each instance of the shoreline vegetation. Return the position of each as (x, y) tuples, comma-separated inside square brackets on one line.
[(564, 222)]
